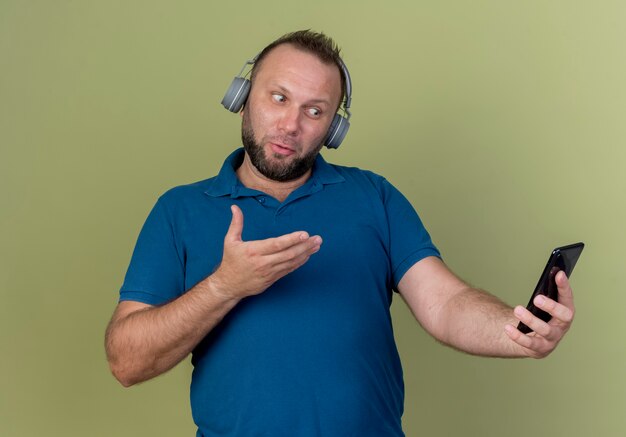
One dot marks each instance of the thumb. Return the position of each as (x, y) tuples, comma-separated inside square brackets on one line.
[(236, 225)]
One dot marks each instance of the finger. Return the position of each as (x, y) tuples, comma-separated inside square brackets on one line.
[(278, 244), (519, 338), (276, 271), (236, 225), (305, 248), (566, 297), (533, 322), (295, 263), (555, 309)]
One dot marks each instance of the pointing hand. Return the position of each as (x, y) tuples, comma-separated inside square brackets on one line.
[(250, 267)]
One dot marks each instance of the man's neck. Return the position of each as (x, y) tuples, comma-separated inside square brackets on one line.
[(251, 178)]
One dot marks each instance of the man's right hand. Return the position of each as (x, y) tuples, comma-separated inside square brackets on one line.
[(250, 267)]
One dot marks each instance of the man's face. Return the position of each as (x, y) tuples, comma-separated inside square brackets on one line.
[(292, 102)]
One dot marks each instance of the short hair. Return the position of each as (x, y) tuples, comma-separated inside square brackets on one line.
[(315, 43)]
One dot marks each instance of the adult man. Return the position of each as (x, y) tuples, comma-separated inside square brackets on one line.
[(286, 340)]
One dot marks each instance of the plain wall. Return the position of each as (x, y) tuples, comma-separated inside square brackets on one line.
[(501, 121)]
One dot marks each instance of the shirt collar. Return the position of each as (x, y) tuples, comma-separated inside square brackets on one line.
[(227, 184)]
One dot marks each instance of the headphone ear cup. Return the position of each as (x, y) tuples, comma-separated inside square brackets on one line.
[(337, 131), (236, 94)]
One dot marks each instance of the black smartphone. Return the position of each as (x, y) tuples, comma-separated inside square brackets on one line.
[(562, 258)]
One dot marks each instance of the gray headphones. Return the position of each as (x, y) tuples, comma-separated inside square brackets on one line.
[(239, 89)]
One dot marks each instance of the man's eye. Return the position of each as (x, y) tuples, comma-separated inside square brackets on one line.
[(314, 112), (278, 98)]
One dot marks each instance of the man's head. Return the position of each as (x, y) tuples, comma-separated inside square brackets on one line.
[(297, 86), (317, 44)]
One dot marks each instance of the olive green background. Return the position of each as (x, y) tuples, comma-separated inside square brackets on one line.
[(501, 121)]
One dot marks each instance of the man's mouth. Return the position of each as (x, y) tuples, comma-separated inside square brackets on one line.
[(282, 149)]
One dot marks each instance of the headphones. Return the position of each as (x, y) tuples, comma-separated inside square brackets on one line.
[(238, 91)]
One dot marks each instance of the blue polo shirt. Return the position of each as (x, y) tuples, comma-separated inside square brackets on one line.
[(313, 355)]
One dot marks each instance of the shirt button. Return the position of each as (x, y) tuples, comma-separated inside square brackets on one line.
[(262, 199)]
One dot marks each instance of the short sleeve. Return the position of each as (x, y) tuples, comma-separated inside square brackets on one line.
[(409, 242), (156, 273)]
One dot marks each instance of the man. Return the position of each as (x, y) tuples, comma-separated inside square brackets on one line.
[(287, 315)]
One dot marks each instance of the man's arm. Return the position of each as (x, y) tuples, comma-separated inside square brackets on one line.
[(477, 322), (143, 341)]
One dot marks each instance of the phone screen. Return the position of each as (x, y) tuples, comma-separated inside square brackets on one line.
[(562, 258)]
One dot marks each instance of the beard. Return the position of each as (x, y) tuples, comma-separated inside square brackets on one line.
[(280, 169)]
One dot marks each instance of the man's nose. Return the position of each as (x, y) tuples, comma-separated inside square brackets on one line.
[(289, 121)]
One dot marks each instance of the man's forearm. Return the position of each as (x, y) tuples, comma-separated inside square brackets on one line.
[(475, 322), (150, 341)]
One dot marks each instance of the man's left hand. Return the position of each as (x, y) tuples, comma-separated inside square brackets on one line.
[(546, 335)]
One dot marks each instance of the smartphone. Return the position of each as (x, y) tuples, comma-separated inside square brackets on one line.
[(562, 258)]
